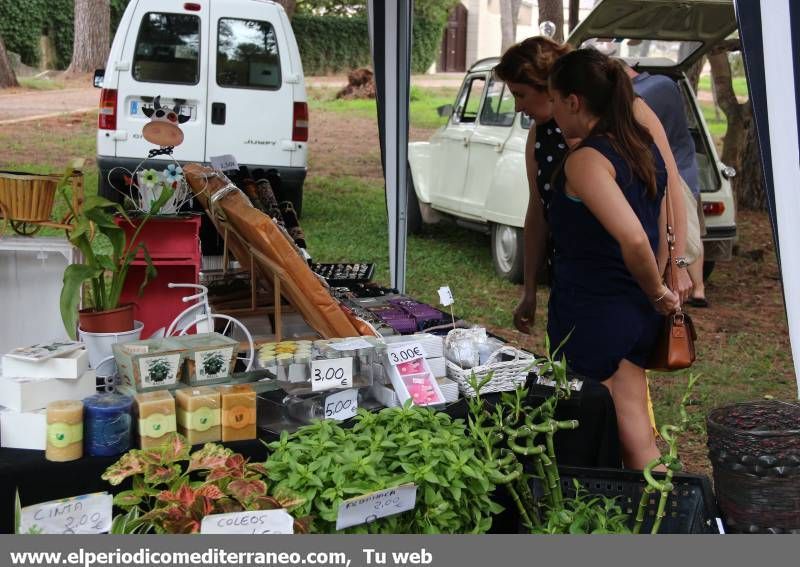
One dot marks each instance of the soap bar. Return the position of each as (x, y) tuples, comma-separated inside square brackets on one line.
[(64, 431), (238, 412), (156, 411), (199, 414)]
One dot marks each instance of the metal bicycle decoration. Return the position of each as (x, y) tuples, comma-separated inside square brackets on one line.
[(199, 318)]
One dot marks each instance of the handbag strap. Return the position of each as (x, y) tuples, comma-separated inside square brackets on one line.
[(669, 276)]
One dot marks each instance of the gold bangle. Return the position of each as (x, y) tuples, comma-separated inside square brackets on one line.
[(663, 295)]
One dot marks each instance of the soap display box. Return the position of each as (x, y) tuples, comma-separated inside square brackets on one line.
[(28, 394)]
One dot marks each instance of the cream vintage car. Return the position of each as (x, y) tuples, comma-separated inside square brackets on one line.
[(473, 168)]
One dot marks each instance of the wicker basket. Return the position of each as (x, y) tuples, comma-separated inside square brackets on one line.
[(506, 375), (27, 196), (754, 448)]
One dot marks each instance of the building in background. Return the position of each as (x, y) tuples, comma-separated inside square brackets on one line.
[(473, 31)]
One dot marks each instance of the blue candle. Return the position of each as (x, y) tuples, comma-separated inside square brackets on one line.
[(107, 422)]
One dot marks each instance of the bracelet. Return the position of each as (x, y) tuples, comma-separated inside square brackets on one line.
[(663, 295)]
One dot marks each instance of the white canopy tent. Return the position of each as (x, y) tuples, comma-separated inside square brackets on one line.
[(771, 43)]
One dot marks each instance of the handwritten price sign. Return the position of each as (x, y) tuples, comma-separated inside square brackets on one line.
[(87, 514), (224, 163), (341, 405), (404, 353), (376, 505), (255, 522), (329, 374)]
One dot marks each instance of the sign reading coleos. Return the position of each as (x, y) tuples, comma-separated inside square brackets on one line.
[(253, 522), (376, 505), (87, 514), (404, 353), (329, 374)]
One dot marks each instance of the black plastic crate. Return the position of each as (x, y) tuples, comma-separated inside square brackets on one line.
[(691, 508)]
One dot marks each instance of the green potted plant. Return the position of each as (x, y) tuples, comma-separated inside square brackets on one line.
[(105, 265), (173, 489)]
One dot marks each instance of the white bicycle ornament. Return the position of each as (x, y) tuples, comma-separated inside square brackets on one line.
[(199, 318)]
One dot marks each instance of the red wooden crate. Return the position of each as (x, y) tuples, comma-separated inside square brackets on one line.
[(167, 238)]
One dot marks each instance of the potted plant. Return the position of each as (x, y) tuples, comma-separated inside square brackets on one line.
[(173, 490), (105, 265)]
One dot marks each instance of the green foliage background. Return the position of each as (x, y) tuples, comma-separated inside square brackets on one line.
[(334, 42)]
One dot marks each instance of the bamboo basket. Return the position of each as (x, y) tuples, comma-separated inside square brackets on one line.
[(27, 196)]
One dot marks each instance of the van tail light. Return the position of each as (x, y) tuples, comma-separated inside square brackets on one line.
[(713, 209), (192, 7), (107, 119), (300, 124)]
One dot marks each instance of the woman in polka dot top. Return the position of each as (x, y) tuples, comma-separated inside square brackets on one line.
[(525, 68)]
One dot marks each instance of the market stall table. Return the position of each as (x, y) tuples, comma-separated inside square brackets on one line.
[(593, 444)]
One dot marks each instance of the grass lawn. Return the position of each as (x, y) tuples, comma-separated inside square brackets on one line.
[(739, 85), (424, 102)]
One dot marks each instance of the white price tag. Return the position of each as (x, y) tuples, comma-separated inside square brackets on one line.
[(341, 405), (331, 373), (405, 352), (350, 344), (254, 522), (224, 163), (445, 296), (370, 507), (87, 514)]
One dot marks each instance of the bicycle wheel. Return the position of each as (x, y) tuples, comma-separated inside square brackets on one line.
[(229, 327)]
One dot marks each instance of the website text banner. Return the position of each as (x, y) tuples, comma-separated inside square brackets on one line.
[(394, 551)]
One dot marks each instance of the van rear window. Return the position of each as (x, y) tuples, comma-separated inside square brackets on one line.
[(247, 55), (168, 49)]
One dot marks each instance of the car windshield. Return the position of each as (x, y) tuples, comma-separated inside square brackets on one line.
[(659, 53)]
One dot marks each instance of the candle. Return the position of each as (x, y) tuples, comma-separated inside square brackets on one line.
[(199, 414), (108, 424), (156, 412), (64, 431), (238, 412)]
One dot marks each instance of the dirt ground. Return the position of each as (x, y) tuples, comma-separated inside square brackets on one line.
[(746, 295)]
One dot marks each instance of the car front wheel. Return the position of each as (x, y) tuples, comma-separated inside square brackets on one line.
[(507, 252)]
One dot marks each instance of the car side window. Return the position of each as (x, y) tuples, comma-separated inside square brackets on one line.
[(247, 55), (498, 107), (469, 101), (167, 49)]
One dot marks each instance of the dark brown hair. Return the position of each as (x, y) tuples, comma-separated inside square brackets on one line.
[(607, 92), (529, 61)]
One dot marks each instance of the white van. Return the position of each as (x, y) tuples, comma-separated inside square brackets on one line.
[(233, 67)]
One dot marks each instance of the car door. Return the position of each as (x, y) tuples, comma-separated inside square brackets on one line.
[(486, 146), (250, 81), (164, 59), (451, 150)]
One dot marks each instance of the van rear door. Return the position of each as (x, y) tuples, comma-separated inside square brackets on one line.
[(162, 57), (250, 79)]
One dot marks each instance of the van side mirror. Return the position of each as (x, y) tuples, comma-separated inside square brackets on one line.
[(727, 171), (445, 110), (99, 76)]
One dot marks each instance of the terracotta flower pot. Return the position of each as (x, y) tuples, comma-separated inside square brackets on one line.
[(116, 320)]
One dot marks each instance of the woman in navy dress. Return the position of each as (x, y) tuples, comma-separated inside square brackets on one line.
[(525, 67), (607, 218)]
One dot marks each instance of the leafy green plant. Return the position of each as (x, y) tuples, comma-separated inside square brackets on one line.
[(213, 363), (325, 464), (158, 369), (585, 514), (105, 272), (168, 497)]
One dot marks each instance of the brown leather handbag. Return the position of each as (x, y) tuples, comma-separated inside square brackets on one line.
[(674, 348)]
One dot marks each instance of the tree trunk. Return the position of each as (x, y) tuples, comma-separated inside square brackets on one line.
[(748, 185), (92, 36), (509, 14), (553, 10), (739, 147), (693, 73), (289, 5), (7, 76)]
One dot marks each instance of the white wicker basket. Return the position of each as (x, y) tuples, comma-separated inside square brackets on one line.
[(506, 376)]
